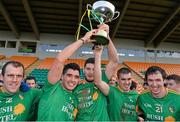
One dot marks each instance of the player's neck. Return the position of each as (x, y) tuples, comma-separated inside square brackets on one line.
[(4, 90), (121, 89)]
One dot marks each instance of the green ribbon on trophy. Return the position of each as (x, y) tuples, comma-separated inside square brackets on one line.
[(102, 12)]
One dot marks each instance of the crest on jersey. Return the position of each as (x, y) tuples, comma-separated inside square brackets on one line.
[(19, 109), (169, 119), (171, 109)]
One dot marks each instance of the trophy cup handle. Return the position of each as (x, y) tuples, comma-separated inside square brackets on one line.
[(117, 15), (89, 6)]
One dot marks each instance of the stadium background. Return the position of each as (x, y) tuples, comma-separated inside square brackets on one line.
[(146, 33)]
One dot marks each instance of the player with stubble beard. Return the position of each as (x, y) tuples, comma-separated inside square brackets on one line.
[(92, 104)]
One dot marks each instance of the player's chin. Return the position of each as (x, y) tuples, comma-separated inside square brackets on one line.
[(126, 88), (71, 87), (13, 90), (155, 91), (90, 78)]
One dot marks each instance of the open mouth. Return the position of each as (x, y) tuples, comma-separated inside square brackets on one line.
[(72, 84), (155, 90), (14, 85), (126, 86)]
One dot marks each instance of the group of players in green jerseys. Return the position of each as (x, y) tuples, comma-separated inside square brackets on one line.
[(67, 98)]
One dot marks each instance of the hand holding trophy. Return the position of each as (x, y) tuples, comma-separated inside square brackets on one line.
[(102, 12)]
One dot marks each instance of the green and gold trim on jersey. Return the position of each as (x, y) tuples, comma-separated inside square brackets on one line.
[(145, 91), (173, 91)]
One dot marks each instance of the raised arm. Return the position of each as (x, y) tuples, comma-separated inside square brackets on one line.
[(55, 72), (113, 60), (103, 86), (112, 54)]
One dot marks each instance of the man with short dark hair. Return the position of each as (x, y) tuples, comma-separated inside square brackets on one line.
[(121, 100), (57, 102), (92, 104), (31, 81), (173, 82), (16, 105), (158, 103)]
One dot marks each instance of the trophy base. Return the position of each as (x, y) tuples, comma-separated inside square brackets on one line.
[(100, 40)]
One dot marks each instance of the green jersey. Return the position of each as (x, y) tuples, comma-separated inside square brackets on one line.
[(122, 105), (21, 106), (56, 104), (92, 104), (160, 109)]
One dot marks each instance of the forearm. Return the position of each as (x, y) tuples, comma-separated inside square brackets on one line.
[(112, 52), (104, 88), (113, 60), (69, 50), (55, 72), (97, 69), (57, 67)]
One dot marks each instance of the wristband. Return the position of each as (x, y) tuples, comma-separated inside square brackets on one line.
[(82, 40)]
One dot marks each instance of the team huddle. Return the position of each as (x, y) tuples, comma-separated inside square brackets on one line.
[(65, 97)]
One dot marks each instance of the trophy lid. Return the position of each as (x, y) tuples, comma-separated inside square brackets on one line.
[(104, 9)]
